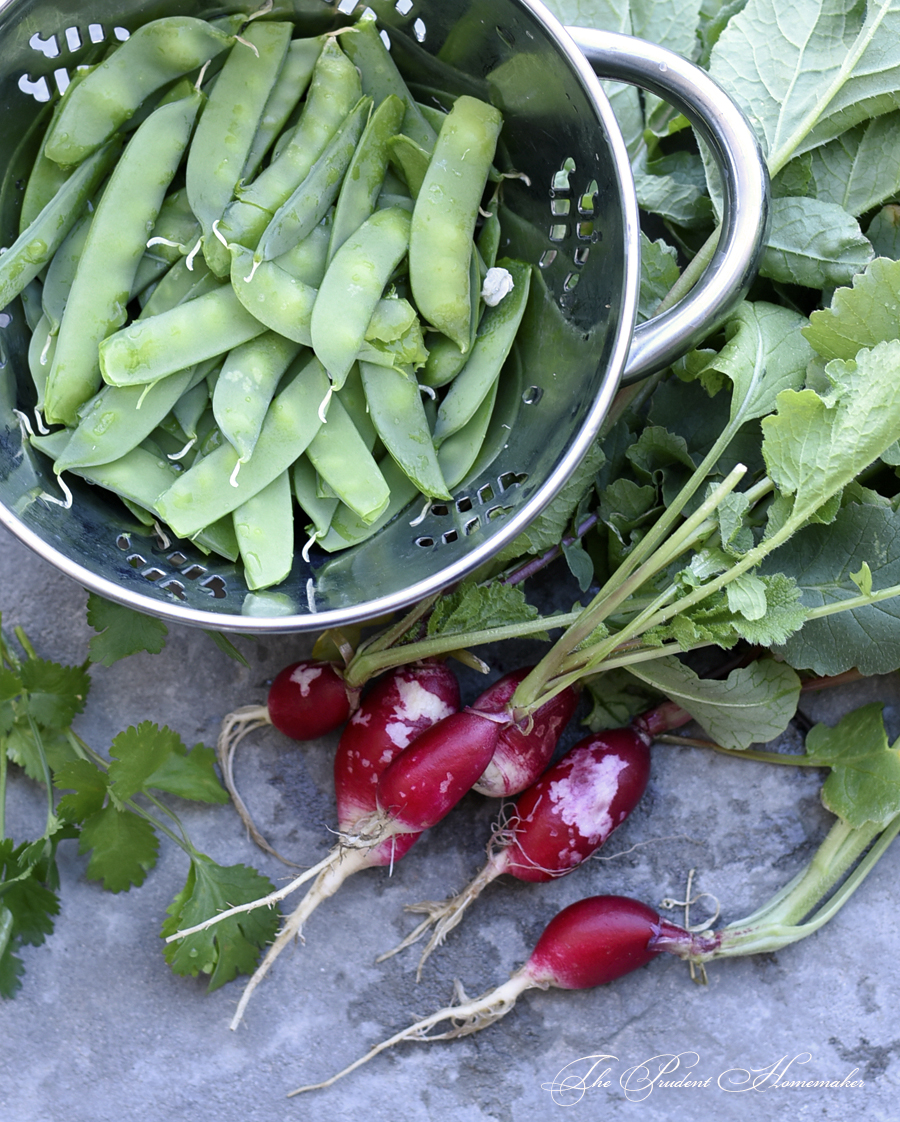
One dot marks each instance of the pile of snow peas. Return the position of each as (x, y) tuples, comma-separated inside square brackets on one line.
[(263, 281)]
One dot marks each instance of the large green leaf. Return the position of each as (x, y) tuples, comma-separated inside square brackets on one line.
[(861, 316), (821, 560), (814, 243)]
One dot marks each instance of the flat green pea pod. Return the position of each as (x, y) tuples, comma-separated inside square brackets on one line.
[(98, 299), (347, 528), (224, 134), (210, 489), (117, 419), (264, 526), (395, 406), (41, 348), (308, 204), (245, 386), (333, 92), (411, 160), (365, 174), (157, 53), (308, 259), (61, 272), (192, 332), (445, 359), (179, 285), (352, 287), (443, 222), (490, 351), (304, 480), (459, 452), (341, 458), (37, 244), (174, 235), (290, 86), (272, 295), (381, 78)]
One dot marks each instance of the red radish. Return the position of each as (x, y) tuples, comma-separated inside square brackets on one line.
[(306, 700), (556, 824), (416, 790), (398, 708), (524, 749), (589, 943)]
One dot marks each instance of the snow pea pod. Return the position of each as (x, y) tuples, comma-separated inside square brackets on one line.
[(347, 528), (41, 348), (381, 78), (459, 452), (443, 223), (271, 294), (308, 259), (173, 236), (246, 385), (157, 53), (493, 343), (411, 160), (318, 510), (194, 331), (36, 245), (264, 526), (98, 299), (179, 285), (341, 458), (397, 412), (352, 287), (118, 419), (290, 86), (61, 272), (308, 204), (208, 491), (445, 358), (333, 92), (365, 173), (224, 134)]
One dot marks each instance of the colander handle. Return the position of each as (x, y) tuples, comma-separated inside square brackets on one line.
[(745, 182)]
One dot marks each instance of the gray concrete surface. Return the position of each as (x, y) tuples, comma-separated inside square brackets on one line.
[(102, 1030)]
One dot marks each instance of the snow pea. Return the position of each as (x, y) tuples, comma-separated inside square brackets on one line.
[(365, 173), (352, 287), (179, 285), (308, 259), (308, 204), (272, 295), (36, 245), (41, 348), (341, 458), (459, 452), (246, 385), (118, 418), (61, 272), (395, 406), (443, 222), (304, 481), (192, 332), (208, 490), (493, 343), (157, 53), (224, 135), (264, 526), (193, 403), (445, 358), (347, 528), (175, 232), (411, 160), (290, 86), (333, 92), (381, 78), (98, 299)]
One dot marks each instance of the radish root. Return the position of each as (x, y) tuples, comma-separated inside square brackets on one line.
[(234, 728), (467, 1017)]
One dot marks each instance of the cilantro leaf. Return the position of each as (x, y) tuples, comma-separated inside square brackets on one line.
[(227, 948), (123, 848), (864, 784), (89, 785), (122, 632), (56, 693), (27, 906), (226, 646), (190, 775), (753, 705), (137, 753)]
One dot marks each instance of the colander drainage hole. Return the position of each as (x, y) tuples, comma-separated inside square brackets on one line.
[(512, 479), (192, 572), (123, 542), (153, 575), (175, 587), (215, 585), (176, 559), (135, 560), (425, 543), (464, 504)]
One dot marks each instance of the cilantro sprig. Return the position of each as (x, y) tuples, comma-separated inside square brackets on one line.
[(114, 810)]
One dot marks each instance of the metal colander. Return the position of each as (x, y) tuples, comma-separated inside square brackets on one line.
[(575, 219)]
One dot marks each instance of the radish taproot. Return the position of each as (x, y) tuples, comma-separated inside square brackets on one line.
[(554, 825), (526, 745), (306, 700), (587, 944)]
